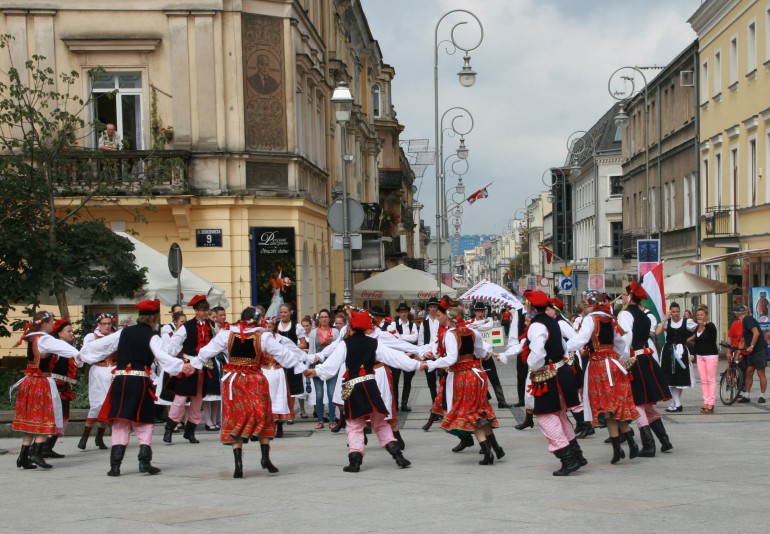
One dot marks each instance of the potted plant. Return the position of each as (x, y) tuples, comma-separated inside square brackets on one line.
[(168, 132)]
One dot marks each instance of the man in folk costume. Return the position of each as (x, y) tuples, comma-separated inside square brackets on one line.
[(428, 335), (481, 323), (360, 390), (554, 310), (187, 341), (406, 331), (246, 404), (129, 405), (99, 380), (648, 384), (552, 385)]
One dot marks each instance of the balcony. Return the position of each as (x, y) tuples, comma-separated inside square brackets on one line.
[(720, 221), (372, 216), (630, 237), (390, 180), (125, 173)]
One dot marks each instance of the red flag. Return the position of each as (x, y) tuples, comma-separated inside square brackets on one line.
[(481, 193), (548, 254)]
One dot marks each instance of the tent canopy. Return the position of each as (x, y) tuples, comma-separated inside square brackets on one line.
[(160, 284), (401, 282), (685, 283), (487, 291)]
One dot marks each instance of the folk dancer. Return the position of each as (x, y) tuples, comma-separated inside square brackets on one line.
[(186, 342), (99, 380), (675, 360), (63, 371), (648, 385), (129, 403), (607, 398), (407, 331), (246, 409), (481, 323), (518, 347), (428, 335), (361, 391), (38, 406), (289, 327)]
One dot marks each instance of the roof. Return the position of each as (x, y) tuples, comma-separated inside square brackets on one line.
[(605, 137)]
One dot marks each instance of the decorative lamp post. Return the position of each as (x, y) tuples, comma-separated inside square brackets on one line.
[(342, 102)]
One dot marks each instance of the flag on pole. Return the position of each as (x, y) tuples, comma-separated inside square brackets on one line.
[(653, 285), (481, 193), (549, 256)]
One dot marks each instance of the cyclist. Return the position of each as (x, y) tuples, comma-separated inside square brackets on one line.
[(756, 349)]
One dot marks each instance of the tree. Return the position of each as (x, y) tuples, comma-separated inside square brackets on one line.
[(47, 181)]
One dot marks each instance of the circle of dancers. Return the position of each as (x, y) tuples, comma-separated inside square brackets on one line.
[(605, 372)]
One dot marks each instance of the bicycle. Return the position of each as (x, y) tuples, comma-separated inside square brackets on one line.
[(732, 380)]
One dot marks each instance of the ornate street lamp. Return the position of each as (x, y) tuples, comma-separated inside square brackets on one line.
[(342, 102)]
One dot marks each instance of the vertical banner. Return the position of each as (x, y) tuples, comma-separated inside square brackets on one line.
[(596, 279), (648, 255), (273, 268), (760, 307)]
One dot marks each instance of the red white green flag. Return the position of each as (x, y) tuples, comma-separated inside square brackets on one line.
[(653, 284)]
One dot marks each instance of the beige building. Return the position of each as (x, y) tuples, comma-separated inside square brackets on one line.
[(246, 88), (734, 97)]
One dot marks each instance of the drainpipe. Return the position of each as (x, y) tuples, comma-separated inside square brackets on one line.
[(696, 145)]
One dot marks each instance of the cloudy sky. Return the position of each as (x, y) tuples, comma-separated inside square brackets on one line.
[(543, 68)]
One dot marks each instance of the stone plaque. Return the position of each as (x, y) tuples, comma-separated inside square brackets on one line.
[(273, 176)]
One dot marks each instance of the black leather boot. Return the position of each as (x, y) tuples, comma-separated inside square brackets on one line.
[(621, 437), (279, 429), (569, 464), (238, 455), (633, 448), (648, 442), (489, 458), (617, 452), (588, 430), (99, 441), (145, 457), (429, 424), (116, 458), (36, 456), (23, 460), (399, 439), (528, 422), (579, 422), (84, 438), (395, 452), (500, 397), (189, 432), (354, 459), (660, 432), (499, 452), (578, 453), (169, 431), (465, 442), (265, 462), (48, 451)]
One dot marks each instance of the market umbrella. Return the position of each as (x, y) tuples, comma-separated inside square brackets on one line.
[(685, 283)]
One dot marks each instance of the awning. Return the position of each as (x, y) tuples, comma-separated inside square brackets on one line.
[(685, 283), (486, 291), (730, 256)]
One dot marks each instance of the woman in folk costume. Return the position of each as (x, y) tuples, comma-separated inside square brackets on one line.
[(289, 327), (675, 358), (63, 371), (360, 390), (129, 403), (38, 406), (469, 412), (99, 380), (648, 384), (607, 398), (275, 375), (246, 407), (519, 349)]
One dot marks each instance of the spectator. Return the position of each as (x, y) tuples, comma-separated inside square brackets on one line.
[(756, 349), (707, 354), (110, 138), (506, 321), (321, 337)]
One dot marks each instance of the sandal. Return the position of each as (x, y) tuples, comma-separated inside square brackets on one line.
[(319, 426)]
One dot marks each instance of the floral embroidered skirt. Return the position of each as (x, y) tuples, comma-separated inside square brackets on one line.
[(470, 407), (246, 407), (609, 392), (34, 407), (439, 406)]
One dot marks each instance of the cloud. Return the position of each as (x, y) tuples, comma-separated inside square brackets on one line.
[(543, 68)]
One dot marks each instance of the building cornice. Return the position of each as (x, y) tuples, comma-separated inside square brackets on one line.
[(708, 15)]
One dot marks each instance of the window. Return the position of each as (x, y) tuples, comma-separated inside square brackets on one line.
[(733, 61), (687, 202), (717, 73), (649, 210), (616, 186), (734, 176), (705, 180), (704, 88), (666, 206), (124, 110), (718, 180), (767, 34), (376, 100), (617, 238), (751, 46), (752, 171)]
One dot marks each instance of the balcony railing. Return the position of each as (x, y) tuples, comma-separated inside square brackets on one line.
[(126, 172), (720, 221), (372, 215)]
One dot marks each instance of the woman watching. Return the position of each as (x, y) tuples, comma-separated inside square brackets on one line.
[(707, 355)]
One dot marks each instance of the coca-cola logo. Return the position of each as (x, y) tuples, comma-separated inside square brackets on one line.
[(372, 294), (427, 294)]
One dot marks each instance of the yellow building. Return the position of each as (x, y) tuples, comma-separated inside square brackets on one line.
[(734, 93), (246, 88)]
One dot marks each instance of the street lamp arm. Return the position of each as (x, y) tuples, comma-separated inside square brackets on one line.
[(452, 39)]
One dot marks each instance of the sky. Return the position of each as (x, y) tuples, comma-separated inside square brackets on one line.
[(543, 69)]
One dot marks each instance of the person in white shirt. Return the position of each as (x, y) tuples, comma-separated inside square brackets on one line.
[(481, 323), (406, 331)]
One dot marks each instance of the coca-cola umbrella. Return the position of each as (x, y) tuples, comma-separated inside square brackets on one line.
[(401, 283)]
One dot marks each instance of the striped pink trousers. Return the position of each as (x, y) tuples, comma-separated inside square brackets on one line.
[(647, 414), (556, 427)]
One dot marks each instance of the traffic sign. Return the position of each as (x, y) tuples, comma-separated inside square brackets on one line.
[(566, 284)]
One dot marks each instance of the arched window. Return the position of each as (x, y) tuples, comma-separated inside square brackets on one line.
[(376, 100)]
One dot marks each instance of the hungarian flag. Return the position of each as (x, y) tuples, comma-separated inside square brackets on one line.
[(653, 285), (481, 193)]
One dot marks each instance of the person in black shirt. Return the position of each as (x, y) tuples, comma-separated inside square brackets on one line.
[(707, 353), (756, 347)]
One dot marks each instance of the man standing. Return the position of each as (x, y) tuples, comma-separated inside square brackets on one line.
[(756, 348), (428, 335), (407, 331), (192, 337)]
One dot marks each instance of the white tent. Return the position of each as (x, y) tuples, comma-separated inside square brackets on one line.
[(160, 284), (684, 283), (490, 292), (401, 283)]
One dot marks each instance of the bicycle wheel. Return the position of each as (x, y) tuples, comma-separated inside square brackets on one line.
[(730, 385)]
